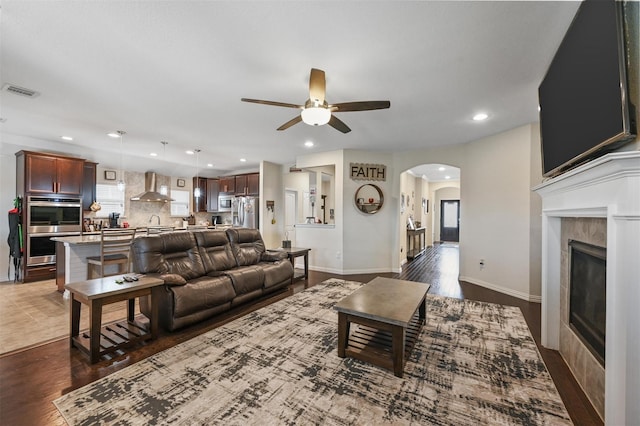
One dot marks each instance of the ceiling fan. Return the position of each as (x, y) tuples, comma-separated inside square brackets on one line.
[(316, 111)]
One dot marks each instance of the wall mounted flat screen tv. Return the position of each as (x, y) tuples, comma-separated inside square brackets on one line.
[(585, 109)]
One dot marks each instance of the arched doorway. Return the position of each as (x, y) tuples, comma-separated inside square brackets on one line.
[(422, 190)]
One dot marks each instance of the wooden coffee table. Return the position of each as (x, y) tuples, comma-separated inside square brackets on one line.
[(389, 314), (103, 291)]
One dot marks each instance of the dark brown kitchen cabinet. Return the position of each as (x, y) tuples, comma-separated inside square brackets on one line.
[(213, 190), (52, 174), (88, 185), (253, 184), (241, 185), (200, 203), (227, 184), (248, 184)]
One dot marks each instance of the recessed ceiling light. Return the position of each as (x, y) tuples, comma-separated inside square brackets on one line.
[(447, 177), (481, 116), (308, 144), (66, 138), (209, 165), (153, 154), (190, 152), (113, 135), (441, 169), (243, 160)]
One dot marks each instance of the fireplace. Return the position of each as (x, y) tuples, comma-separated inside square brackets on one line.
[(587, 295), (606, 189)]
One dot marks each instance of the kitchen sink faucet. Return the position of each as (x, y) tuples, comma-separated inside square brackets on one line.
[(155, 216)]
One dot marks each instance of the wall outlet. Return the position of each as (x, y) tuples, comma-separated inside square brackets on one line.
[(338, 255), (481, 263)]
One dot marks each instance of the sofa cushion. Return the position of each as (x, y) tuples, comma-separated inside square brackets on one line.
[(202, 293), (215, 251), (247, 245), (171, 253), (277, 272), (246, 278)]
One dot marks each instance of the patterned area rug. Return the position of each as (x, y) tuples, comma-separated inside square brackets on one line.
[(474, 363)]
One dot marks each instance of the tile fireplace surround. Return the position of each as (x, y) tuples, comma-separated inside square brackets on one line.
[(609, 188)]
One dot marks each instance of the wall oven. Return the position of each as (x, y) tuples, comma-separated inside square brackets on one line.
[(50, 217), (41, 250), (53, 215), (225, 203)]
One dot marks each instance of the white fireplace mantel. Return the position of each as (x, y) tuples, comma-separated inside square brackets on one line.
[(608, 187)]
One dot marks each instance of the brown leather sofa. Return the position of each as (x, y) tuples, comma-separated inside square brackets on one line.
[(208, 272)]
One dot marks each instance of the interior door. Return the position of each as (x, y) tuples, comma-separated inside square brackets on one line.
[(450, 220), (290, 215)]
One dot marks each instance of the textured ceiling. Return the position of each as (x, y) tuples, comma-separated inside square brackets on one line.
[(175, 71)]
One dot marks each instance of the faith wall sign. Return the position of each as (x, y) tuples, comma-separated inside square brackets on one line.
[(365, 171)]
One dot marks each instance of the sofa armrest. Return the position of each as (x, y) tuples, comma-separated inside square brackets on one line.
[(273, 256), (169, 279)]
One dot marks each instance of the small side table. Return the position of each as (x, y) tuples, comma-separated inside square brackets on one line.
[(414, 251), (292, 253), (103, 291)]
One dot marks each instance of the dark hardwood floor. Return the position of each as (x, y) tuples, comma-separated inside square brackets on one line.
[(32, 379)]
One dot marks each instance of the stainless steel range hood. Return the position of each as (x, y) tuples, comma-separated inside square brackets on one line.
[(150, 190)]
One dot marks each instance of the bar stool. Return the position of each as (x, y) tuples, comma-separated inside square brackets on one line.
[(115, 249)]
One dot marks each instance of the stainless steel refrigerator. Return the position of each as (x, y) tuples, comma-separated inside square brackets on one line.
[(247, 212)]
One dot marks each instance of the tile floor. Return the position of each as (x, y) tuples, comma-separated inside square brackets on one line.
[(32, 314)]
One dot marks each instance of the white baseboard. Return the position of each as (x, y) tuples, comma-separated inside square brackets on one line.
[(352, 271), (508, 291)]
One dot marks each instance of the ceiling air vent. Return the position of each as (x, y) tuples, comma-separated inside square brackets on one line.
[(12, 88)]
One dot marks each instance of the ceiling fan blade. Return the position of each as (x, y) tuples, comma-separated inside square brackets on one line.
[(273, 103), (338, 124), (317, 86), (294, 120), (360, 106)]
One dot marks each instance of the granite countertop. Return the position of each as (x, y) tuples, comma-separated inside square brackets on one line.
[(96, 237)]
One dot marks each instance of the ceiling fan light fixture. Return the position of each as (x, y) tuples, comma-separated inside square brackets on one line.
[(316, 116)]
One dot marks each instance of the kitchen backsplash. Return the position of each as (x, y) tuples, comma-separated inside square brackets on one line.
[(139, 213)]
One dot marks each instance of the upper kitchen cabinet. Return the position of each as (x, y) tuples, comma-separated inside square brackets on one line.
[(88, 185), (248, 184), (213, 190), (227, 184), (49, 173), (200, 203)]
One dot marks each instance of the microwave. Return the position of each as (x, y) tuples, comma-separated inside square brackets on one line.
[(225, 203)]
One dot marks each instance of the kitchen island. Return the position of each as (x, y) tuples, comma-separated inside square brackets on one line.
[(71, 257)]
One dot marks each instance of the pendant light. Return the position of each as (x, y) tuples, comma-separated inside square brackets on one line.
[(120, 183), (164, 190), (196, 190)]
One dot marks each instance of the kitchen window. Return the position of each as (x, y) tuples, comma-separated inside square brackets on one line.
[(110, 198), (180, 203)]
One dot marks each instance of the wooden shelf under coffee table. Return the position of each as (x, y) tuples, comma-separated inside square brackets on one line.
[(103, 291), (389, 314)]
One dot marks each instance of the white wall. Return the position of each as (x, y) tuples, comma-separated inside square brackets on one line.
[(271, 189), (495, 188), (368, 238), (325, 241), (407, 187), (535, 215), (7, 195)]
